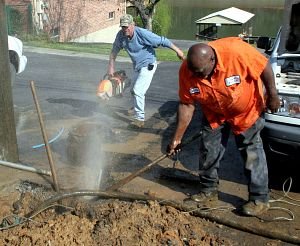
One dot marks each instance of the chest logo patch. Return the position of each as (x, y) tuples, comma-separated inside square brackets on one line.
[(232, 80), (194, 91)]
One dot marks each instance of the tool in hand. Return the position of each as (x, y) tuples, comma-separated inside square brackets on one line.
[(176, 161), (145, 168), (113, 86)]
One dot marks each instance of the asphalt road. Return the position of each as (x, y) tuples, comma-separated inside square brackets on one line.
[(71, 75), (66, 85)]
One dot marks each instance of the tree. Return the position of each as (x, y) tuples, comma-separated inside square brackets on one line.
[(145, 9), (8, 138), (161, 22)]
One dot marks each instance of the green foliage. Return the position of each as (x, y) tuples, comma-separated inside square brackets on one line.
[(41, 37), (162, 18), (15, 21), (138, 21)]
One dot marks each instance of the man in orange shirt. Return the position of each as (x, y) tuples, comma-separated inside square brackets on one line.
[(227, 77)]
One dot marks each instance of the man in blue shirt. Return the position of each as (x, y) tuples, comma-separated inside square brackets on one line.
[(139, 43)]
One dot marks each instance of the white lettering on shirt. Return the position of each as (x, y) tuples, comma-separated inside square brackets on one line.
[(194, 90), (232, 80)]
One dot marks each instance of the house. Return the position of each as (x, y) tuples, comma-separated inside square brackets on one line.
[(75, 21), (208, 25)]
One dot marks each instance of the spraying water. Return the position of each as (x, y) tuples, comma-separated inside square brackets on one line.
[(85, 150)]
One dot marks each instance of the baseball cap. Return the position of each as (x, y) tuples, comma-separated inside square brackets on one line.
[(126, 20)]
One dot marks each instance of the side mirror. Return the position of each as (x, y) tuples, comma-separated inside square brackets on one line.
[(263, 43)]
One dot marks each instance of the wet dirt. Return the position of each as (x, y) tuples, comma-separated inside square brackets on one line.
[(90, 221), (108, 222), (85, 221)]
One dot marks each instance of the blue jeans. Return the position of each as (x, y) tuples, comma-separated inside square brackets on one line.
[(141, 83), (249, 143)]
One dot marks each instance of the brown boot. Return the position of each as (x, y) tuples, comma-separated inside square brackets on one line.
[(255, 208), (203, 197)]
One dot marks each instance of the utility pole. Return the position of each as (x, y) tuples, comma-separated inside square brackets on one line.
[(8, 138)]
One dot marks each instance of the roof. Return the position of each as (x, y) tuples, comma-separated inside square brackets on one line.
[(230, 16)]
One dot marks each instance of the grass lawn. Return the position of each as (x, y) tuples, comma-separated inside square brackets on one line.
[(163, 54)]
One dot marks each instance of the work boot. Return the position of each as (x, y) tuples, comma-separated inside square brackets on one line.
[(204, 197), (136, 124), (255, 208)]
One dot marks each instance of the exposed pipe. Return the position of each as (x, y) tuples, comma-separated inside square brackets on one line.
[(25, 168), (48, 150)]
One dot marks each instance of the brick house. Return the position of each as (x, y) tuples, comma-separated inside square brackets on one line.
[(77, 21)]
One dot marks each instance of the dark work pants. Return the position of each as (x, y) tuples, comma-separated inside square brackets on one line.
[(249, 143)]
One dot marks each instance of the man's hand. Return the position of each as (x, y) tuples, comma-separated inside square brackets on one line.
[(267, 76), (173, 148), (180, 55), (178, 51), (273, 103)]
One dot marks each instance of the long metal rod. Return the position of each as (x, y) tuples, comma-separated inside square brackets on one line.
[(47, 146), (135, 174), (145, 168), (25, 168)]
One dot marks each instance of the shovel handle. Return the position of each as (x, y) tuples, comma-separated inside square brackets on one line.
[(145, 168), (135, 174)]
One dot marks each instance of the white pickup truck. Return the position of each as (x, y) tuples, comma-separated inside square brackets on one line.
[(281, 134), (16, 57)]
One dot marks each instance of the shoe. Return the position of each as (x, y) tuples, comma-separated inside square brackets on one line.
[(130, 112), (255, 208), (205, 196), (136, 124)]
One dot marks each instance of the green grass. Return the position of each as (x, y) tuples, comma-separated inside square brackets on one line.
[(163, 54)]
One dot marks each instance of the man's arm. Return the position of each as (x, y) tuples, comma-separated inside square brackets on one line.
[(267, 76), (155, 40), (111, 63), (178, 51), (185, 114)]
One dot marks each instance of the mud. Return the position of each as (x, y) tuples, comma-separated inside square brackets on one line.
[(104, 222), (94, 221)]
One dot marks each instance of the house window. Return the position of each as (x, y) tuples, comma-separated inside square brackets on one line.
[(111, 15)]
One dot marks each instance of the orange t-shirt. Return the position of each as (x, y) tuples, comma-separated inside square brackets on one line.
[(234, 92)]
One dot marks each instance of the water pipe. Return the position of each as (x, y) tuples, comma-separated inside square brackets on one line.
[(24, 167)]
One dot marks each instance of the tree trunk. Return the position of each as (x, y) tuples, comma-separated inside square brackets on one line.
[(145, 10), (8, 138), (149, 23)]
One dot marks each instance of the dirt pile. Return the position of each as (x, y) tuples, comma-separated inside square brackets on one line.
[(105, 222)]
